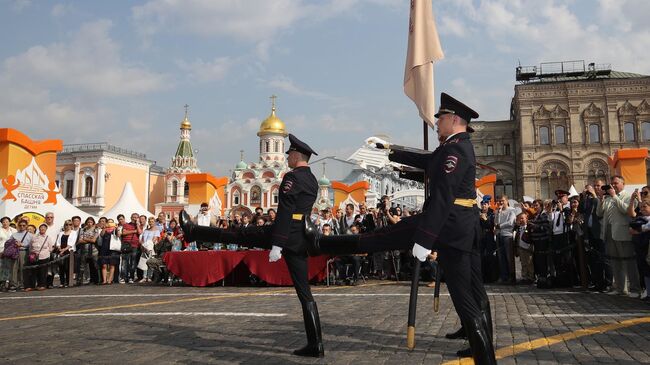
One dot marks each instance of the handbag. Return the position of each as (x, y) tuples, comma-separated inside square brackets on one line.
[(142, 264), (33, 257), (116, 243)]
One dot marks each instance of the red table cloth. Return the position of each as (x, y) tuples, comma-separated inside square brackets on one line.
[(203, 268)]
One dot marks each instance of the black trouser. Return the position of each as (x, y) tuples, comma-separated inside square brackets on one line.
[(37, 277), (563, 261), (355, 261), (63, 267)]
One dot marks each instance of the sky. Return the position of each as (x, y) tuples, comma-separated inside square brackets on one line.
[(121, 72)]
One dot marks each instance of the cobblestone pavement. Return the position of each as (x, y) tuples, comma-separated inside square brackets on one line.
[(145, 324)]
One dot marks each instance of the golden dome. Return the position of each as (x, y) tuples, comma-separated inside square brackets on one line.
[(272, 124), (185, 124)]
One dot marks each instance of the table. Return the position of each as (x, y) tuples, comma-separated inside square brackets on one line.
[(203, 268)]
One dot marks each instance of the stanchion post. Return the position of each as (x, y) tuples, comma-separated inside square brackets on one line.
[(71, 280)]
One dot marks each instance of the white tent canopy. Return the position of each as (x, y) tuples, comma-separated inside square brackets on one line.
[(127, 205)]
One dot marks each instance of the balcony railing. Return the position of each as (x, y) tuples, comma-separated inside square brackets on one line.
[(86, 200)]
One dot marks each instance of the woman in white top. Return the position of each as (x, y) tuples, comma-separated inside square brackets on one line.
[(41, 246), (64, 244), (5, 232), (149, 237)]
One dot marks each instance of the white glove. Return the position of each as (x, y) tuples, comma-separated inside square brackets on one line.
[(374, 141), (275, 254), (420, 252)]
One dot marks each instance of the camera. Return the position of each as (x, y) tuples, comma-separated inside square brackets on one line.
[(605, 187), (637, 223), (381, 206)]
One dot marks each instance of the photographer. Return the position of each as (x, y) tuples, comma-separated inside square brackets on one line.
[(161, 247), (598, 265), (382, 261), (540, 232), (616, 234)]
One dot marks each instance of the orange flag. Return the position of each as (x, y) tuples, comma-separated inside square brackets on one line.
[(423, 49)]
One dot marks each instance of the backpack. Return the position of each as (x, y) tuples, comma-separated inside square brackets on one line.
[(10, 250)]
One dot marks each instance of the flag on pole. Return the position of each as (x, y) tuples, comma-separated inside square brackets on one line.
[(423, 49)]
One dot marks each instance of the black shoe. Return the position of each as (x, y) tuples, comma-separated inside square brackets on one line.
[(193, 232), (460, 334), (464, 352), (185, 221), (314, 346), (311, 236)]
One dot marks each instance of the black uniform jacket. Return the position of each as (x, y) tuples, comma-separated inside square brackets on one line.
[(298, 192), (451, 169)]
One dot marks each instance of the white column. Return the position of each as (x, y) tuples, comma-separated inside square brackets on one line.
[(75, 188), (99, 193)]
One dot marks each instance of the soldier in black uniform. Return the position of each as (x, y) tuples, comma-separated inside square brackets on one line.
[(449, 223), (298, 192)]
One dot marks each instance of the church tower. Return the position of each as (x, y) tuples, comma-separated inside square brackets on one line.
[(272, 133)]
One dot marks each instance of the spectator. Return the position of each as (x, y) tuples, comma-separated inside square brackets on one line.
[(236, 221), (524, 249), (432, 263), (41, 247), (149, 237), (576, 234), (245, 221), (540, 232), (161, 247), (130, 246), (161, 222), (563, 272), (504, 221), (65, 243), (347, 220), (601, 276), (643, 234), (260, 221), (489, 259), (388, 261), (13, 269), (259, 211), (31, 229), (616, 234), (271, 213), (640, 241), (76, 224), (329, 220), (109, 259), (341, 262), (5, 232), (87, 251), (52, 229)]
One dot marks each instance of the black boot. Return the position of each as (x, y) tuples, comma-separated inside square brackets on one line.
[(486, 320), (460, 334), (345, 244), (193, 232), (479, 342), (314, 346)]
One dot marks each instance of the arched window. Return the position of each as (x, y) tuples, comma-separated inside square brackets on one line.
[(235, 198), (174, 188), (186, 189), (628, 132), (543, 135), (256, 195), (89, 186), (277, 146), (559, 135), (267, 146), (554, 175), (594, 133), (645, 131)]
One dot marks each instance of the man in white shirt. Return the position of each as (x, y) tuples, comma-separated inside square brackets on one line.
[(504, 221), (204, 219)]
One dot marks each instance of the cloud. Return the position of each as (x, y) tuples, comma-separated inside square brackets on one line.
[(284, 83), (202, 71), (452, 26), (60, 10), (90, 63)]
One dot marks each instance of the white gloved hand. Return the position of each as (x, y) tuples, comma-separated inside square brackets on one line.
[(375, 141), (275, 254), (420, 252)]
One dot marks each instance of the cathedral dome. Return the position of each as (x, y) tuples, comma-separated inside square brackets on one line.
[(241, 165), (272, 124), (324, 181), (185, 124)]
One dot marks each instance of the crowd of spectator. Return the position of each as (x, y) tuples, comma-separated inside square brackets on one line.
[(598, 238)]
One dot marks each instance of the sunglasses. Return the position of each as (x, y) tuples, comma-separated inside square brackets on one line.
[(644, 193)]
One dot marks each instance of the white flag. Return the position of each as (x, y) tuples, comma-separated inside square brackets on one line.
[(423, 49)]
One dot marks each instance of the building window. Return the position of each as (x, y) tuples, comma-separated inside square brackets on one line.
[(235, 198), (645, 131), (506, 149), (489, 150), (559, 135), (267, 147), (543, 135), (628, 132), (174, 188), (89, 186), (277, 146), (503, 187), (276, 198), (69, 185), (186, 189), (594, 133)]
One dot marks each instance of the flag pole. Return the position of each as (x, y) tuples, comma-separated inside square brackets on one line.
[(415, 277)]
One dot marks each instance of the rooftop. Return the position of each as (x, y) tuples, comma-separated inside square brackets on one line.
[(102, 146)]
